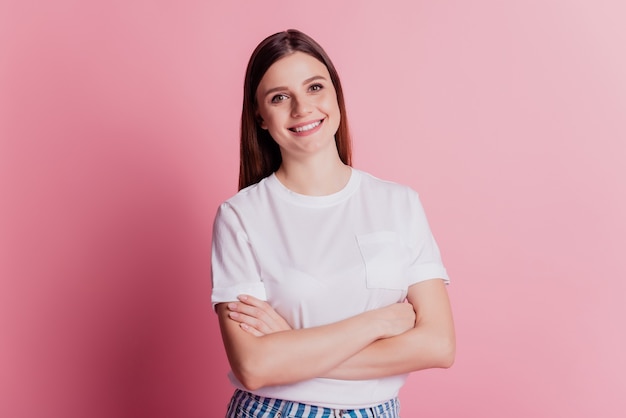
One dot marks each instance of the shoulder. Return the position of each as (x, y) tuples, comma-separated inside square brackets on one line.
[(385, 188), (251, 195), (245, 204)]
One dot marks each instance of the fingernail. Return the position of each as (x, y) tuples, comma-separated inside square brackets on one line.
[(243, 326), (233, 315), (232, 306), (242, 297)]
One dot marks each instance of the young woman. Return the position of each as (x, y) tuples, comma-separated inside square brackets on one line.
[(327, 281)]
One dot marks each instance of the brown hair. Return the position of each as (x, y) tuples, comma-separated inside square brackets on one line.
[(259, 154)]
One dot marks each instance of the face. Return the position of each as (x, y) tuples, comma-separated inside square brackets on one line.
[(297, 104)]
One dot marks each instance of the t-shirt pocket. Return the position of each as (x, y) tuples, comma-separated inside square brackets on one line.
[(385, 256)]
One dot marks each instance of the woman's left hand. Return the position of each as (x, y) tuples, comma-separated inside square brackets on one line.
[(256, 316)]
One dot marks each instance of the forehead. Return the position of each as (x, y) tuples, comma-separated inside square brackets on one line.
[(292, 70)]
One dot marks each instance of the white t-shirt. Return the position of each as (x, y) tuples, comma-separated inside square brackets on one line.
[(321, 259)]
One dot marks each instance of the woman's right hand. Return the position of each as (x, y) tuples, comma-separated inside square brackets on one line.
[(396, 319), (256, 316)]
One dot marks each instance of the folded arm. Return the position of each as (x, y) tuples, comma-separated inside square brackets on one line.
[(288, 356), (429, 343)]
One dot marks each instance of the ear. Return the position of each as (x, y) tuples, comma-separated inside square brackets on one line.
[(260, 121)]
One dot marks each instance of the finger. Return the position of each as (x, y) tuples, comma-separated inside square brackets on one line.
[(266, 308), (249, 310), (257, 303), (250, 330), (255, 307), (250, 322), (250, 300), (262, 311)]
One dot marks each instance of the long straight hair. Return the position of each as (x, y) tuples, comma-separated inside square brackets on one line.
[(259, 153)]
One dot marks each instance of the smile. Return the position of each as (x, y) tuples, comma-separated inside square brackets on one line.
[(305, 128)]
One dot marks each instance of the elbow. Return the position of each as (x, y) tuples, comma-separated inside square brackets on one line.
[(250, 376), (446, 361), (446, 353), (249, 381), (251, 384)]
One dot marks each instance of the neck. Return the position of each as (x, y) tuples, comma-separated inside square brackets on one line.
[(315, 176)]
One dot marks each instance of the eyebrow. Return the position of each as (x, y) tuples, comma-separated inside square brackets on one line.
[(307, 81)]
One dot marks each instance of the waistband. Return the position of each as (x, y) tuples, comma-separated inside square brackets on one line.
[(247, 405)]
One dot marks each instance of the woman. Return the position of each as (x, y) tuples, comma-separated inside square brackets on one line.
[(313, 261)]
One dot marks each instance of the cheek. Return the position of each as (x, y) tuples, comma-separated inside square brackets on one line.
[(270, 120), (265, 118), (331, 104), (332, 109)]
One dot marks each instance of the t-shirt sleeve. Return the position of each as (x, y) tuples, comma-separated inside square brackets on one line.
[(425, 262), (234, 268)]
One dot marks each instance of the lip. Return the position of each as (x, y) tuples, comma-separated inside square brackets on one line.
[(320, 122)]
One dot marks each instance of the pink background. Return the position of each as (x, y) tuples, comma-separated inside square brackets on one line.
[(118, 127)]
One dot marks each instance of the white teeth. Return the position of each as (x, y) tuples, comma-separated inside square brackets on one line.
[(307, 127)]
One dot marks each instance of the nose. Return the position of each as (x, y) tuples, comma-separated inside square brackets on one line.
[(300, 107)]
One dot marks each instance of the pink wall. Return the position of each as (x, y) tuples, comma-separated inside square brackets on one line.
[(118, 127)]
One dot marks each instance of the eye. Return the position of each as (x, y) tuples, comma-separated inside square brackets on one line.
[(316, 87), (279, 98)]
